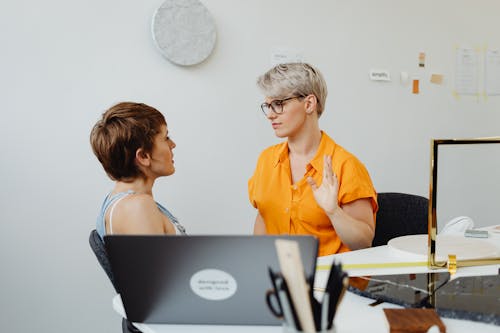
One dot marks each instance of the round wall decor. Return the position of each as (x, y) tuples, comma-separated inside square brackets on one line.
[(184, 31)]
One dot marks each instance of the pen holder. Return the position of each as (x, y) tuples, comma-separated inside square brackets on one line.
[(307, 314)]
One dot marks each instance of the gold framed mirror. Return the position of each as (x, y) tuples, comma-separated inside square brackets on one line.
[(452, 261)]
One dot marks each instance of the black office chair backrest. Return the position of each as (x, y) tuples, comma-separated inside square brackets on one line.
[(400, 214), (97, 246)]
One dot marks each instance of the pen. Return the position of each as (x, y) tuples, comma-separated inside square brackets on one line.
[(324, 311), (287, 311), (342, 287), (334, 289), (332, 279), (316, 310), (286, 298), (315, 305)]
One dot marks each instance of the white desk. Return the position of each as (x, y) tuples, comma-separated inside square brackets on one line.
[(354, 314)]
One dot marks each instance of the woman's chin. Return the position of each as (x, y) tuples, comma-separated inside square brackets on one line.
[(280, 134)]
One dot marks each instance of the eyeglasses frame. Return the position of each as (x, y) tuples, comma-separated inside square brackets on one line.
[(270, 107)]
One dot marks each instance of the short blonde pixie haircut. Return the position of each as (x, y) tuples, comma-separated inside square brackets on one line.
[(300, 79)]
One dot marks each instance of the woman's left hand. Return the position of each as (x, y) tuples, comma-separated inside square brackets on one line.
[(326, 195)]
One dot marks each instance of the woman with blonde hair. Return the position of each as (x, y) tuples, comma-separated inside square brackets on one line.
[(309, 184)]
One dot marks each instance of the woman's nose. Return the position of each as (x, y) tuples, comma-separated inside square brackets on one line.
[(271, 115)]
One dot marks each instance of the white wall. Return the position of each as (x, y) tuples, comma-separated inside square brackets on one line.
[(62, 63)]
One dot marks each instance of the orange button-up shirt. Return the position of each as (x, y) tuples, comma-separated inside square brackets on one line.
[(291, 208)]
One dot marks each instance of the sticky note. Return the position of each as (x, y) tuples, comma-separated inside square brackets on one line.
[(380, 75), (421, 59), (437, 78), (415, 86), (404, 78)]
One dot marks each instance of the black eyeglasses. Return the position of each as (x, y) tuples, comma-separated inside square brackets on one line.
[(276, 106)]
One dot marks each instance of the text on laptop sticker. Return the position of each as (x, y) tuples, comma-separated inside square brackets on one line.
[(213, 284)]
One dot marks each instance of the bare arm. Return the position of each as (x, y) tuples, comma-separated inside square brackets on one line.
[(353, 222), (259, 227)]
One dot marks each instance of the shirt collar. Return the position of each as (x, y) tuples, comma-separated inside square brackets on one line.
[(326, 147), (281, 154)]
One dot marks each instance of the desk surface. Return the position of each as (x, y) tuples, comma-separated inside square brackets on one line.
[(354, 313)]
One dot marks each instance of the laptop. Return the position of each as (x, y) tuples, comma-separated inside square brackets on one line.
[(220, 280)]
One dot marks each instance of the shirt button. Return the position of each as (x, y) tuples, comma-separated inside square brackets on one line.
[(286, 210), (294, 187)]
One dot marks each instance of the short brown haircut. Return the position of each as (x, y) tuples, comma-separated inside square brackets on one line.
[(122, 130)]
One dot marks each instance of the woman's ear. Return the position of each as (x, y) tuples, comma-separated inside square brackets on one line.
[(142, 158), (311, 103)]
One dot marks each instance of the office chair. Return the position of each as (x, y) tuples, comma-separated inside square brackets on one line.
[(400, 214), (97, 246)]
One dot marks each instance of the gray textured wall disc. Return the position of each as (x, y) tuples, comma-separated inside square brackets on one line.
[(184, 31)]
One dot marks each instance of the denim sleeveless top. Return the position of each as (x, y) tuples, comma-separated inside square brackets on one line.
[(111, 199)]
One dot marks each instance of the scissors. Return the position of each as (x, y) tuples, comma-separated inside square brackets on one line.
[(282, 306), (275, 306)]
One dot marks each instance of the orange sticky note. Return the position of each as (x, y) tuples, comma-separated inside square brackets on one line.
[(415, 86)]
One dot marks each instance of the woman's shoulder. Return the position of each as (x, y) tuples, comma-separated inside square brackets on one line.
[(347, 163), (272, 152), (138, 202), (347, 159), (338, 152), (137, 213)]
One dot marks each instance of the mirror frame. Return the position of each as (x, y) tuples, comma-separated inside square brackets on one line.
[(432, 218)]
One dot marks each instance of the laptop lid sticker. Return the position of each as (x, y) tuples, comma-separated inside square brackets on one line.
[(213, 284)]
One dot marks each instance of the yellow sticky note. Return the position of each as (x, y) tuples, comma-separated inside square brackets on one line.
[(437, 78)]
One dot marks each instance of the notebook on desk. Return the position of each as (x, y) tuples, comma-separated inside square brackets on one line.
[(199, 279)]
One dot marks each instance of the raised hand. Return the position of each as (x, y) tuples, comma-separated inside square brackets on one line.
[(326, 195)]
